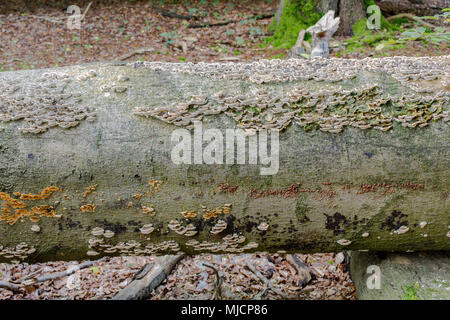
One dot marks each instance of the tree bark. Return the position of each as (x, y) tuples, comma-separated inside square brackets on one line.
[(417, 7), (100, 170), (350, 12)]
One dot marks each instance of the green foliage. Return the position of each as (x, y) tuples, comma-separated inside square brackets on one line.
[(297, 15), (411, 293)]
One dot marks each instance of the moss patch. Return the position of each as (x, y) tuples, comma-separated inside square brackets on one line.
[(297, 15)]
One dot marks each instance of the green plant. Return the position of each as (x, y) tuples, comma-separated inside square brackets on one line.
[(411, 293), (297, 15)]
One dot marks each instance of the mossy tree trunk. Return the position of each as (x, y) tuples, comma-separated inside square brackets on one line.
[(350, 12), (86, 167)]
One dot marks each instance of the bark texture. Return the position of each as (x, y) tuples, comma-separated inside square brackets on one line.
[(350, 12), (417, 7), (86, 169), (405, 276)]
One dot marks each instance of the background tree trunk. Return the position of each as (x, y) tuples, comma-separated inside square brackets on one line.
[(94, 189), (350, 12), (417, 7)]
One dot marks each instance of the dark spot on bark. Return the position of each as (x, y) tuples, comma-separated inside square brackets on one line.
[(30, 156), (177, 198), (60, 227), (368, 154), (133, 223), (394, 221), (250, 225), (115, 227), (337, 223)]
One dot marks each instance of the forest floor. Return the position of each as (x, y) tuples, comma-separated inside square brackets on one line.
[(173, 33), (41, 39)]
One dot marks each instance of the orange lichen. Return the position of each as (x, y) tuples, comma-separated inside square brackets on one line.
[(88, 207), (89, 190), (147, 210), (155, 186), (14, 210), (189, 214), (213, 213), (137, 196)]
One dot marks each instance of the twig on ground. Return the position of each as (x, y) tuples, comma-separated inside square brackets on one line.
[(61, 19), (224, 23), (265, 280), (303, 271), (135, 52), (169, 14), (411, 17), (218, 292), (10, 286), (30, 279)]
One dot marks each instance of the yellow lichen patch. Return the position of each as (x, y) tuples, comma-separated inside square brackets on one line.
[(137, 196), (213, 213), (189, 214), (88, 207), (155, 186), (147, 210), (14, 210), (89, 190)]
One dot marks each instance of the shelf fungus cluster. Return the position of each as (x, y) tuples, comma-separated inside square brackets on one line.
[(232, 243), (407, 70), (43, 103), (147, 228), (14, 208), (99, 245), (220, 226), (189, 231), (331, 109), (18, 253)]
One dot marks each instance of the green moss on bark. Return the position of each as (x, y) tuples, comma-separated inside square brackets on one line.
[(297, 15)]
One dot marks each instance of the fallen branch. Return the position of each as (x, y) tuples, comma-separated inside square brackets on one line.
[(218, 292), (67, 272), (30, 279), (148, 278), (135, 52), (411, 17), (174, 15), (303, 271), (224, 23), (61, 20), (10, 286), (266, 281)]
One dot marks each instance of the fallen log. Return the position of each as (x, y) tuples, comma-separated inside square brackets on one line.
[(417, 7), (89, 162)]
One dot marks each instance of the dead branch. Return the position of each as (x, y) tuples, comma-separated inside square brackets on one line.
[(67, 272), (149, 278), (266, 281), (135, 52), (30, 279), (224, 23), (411, 17), (61, 19), (218, 292), (303, 271), (174, 15), (10, 286)]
